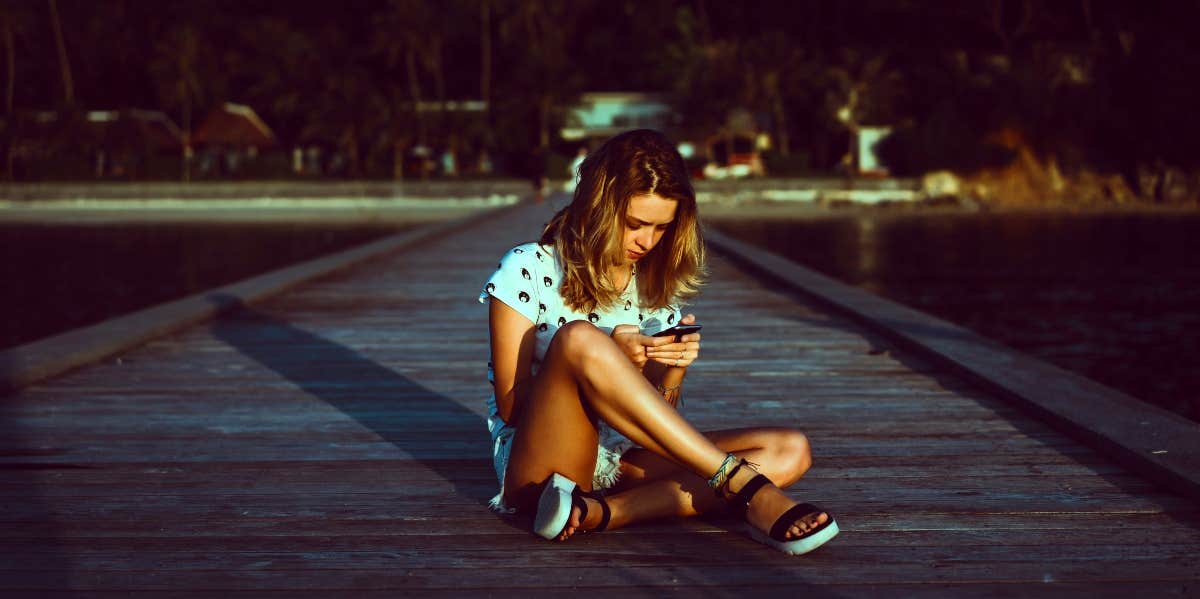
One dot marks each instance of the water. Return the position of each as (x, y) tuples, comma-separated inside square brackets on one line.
[(1114, 296), (60, 277)]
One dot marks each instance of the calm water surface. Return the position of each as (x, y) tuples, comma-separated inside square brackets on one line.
[(59, 277), (1115, 297)]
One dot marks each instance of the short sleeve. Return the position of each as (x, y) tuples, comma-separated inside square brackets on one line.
[(513, 282), (660, 319)]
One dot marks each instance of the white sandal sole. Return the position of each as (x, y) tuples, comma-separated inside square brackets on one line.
[(796, 546), (554, 507)]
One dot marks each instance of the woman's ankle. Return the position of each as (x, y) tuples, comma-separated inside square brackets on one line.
[(733, 475)]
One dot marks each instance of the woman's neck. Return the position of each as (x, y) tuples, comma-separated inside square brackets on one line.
[(621, 275)]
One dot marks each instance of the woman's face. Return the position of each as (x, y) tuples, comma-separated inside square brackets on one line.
[(646, 219)]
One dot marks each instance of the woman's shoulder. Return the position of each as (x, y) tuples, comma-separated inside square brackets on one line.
[(531, 251)]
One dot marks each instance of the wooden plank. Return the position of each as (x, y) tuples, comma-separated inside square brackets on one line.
[(319, 443), (942, 590), (304, 527), (379, 572)]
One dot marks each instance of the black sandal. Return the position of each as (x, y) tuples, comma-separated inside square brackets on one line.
[(559, 495), (777, 537)]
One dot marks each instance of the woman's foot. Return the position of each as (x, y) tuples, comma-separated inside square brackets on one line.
[(575, 524), (769, 502), (564, 509), (775, 519)]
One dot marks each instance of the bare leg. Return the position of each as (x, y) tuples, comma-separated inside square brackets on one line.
[(652, 487), (584, 376)]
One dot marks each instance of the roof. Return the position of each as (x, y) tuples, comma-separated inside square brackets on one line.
[(234, 125)]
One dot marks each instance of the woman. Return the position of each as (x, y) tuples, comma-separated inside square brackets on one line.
[(586, 402)]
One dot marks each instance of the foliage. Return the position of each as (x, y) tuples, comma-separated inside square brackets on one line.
[(1085, 84)]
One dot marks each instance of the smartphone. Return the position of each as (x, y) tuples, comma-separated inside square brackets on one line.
[(678, 330)]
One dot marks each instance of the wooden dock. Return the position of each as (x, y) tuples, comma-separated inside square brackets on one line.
[(331, 442)]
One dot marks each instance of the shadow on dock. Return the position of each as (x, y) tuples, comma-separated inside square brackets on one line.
[(394, 407)]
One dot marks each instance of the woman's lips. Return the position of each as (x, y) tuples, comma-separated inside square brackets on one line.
[(633, 255)]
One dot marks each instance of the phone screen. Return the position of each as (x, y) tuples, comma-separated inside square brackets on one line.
[(679, 329)]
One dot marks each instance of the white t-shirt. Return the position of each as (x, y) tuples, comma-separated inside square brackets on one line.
[(527, 280)]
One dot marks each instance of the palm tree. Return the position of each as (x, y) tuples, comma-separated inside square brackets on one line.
[(175, 68), (10, 68), (277, 64), (14, 18), (64, 64), (485, 70), (862, 86), (544, 75), (10, 58), (776, 70)]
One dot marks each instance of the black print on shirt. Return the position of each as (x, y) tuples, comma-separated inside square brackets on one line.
[(628, 304), (593, 318), (547, 281), (490, 287), (561, 321), (524, 297), (542, 327), (525, 273), (671, 319), (518, 251), (541, 309)]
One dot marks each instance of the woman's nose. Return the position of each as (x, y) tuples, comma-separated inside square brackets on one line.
[(644, 239)]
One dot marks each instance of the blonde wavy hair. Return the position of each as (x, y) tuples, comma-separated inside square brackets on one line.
[(588, 233)]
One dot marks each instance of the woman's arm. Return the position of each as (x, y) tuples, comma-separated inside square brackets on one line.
[(667, 379), (667, 364), (512, 340)]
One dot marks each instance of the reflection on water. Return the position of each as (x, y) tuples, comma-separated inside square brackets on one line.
[(1115, 297), (59, 277)]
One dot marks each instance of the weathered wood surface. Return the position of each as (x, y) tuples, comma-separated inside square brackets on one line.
[(331, 442)]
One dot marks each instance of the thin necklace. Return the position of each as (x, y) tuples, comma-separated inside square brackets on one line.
[(629, 281)]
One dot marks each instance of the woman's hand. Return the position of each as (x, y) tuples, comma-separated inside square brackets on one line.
[(631, 341), (677, 354)]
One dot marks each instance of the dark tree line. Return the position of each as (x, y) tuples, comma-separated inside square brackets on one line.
[(1074, 84)]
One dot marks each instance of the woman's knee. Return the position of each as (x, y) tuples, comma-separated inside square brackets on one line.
[(791, 455), (577, 339)]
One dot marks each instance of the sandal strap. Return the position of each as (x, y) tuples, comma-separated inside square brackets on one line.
[(577, 495), (784, 522), (741, 501), (605, 512), (598, 497)]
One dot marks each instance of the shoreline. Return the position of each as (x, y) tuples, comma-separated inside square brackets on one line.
[(779, 210), (349, 202)]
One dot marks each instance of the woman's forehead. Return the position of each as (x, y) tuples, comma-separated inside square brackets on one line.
[(652, 208)]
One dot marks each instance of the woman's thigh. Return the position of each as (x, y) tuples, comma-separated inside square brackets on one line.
[(556, 433)]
